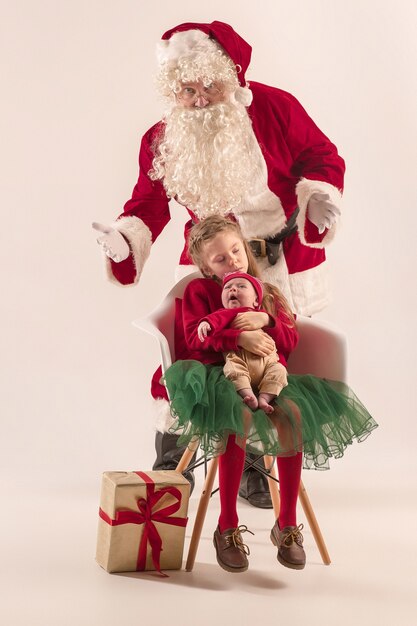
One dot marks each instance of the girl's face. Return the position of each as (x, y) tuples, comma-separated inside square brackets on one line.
[(224, 253)]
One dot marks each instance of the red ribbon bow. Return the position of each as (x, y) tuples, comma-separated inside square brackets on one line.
[(147, 516)]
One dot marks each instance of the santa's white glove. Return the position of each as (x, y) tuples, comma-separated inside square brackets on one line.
[(112, 242), (321, 211)]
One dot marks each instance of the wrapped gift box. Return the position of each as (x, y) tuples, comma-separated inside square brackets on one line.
[(142, 519)]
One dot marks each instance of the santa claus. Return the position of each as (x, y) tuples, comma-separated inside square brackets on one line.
[(230, 147)]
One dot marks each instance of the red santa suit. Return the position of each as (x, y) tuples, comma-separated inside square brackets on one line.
[(299, 161)]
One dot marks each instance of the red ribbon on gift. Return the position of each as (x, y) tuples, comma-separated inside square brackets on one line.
[(147, 516)]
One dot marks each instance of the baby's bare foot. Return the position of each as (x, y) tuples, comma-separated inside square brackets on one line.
[(249, 398), (251, 401), (263, 403)]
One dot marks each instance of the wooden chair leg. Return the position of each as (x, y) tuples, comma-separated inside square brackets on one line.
[(272, 484), (187, 456), (315, 529), (201, 513)]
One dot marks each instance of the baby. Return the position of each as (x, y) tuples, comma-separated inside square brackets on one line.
[(242, 292)]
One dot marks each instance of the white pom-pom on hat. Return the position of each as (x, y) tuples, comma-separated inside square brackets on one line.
[(244, 96)]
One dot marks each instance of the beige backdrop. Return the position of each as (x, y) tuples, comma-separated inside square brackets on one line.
[(79, 94)]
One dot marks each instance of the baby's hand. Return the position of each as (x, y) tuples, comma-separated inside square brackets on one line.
[(203, 329)]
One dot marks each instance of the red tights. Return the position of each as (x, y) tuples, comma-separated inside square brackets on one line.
[(289, 474), (231, 465)]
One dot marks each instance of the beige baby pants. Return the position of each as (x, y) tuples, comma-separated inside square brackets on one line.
[(263, 374)]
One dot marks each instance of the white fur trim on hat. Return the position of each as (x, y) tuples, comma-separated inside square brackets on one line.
[(189, 43), (140, 239), (304, 190)]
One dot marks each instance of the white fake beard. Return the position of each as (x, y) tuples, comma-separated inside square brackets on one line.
[(208, 158)]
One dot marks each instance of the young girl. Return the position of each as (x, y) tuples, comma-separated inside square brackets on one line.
[(312, 417)]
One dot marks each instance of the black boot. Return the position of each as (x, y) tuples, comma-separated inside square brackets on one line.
[(168, 455), (254, 486)]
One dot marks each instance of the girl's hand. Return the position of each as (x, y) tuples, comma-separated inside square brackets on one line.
[(250, 320), (203, 329), (257, 342)]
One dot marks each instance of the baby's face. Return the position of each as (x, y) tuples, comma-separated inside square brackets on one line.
[(239, 292)]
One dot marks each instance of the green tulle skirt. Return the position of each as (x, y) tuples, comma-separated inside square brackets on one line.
[(317, 416)]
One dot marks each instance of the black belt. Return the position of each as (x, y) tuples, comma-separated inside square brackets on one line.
[(270, 247)]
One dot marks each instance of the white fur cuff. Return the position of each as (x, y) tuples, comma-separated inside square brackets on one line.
[(140, 239), (304, 190)]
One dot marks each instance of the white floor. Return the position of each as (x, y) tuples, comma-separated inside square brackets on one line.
[(49, 576)]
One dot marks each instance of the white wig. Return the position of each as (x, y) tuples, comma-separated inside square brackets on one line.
[(192, 56)]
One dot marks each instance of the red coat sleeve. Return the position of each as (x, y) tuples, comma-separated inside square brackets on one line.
[(144, 217), (302, 159), (149, 201), (314, 156), (201, 297), (219, 320), (316, 163)]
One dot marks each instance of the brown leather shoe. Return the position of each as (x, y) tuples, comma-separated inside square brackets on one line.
[(232, 553), (289, 542)]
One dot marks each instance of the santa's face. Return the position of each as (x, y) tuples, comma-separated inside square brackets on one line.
[(239, 292), (223, 254), (199, 95)]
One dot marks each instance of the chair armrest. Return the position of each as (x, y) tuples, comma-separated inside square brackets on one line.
[(143, 323)]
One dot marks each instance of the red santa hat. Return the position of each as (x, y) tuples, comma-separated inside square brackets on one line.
[(194, 50), (252, 279)]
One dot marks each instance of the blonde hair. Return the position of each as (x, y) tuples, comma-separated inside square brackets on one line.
[(206, 230)]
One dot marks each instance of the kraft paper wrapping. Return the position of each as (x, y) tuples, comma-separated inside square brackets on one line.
[(118, 546)]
